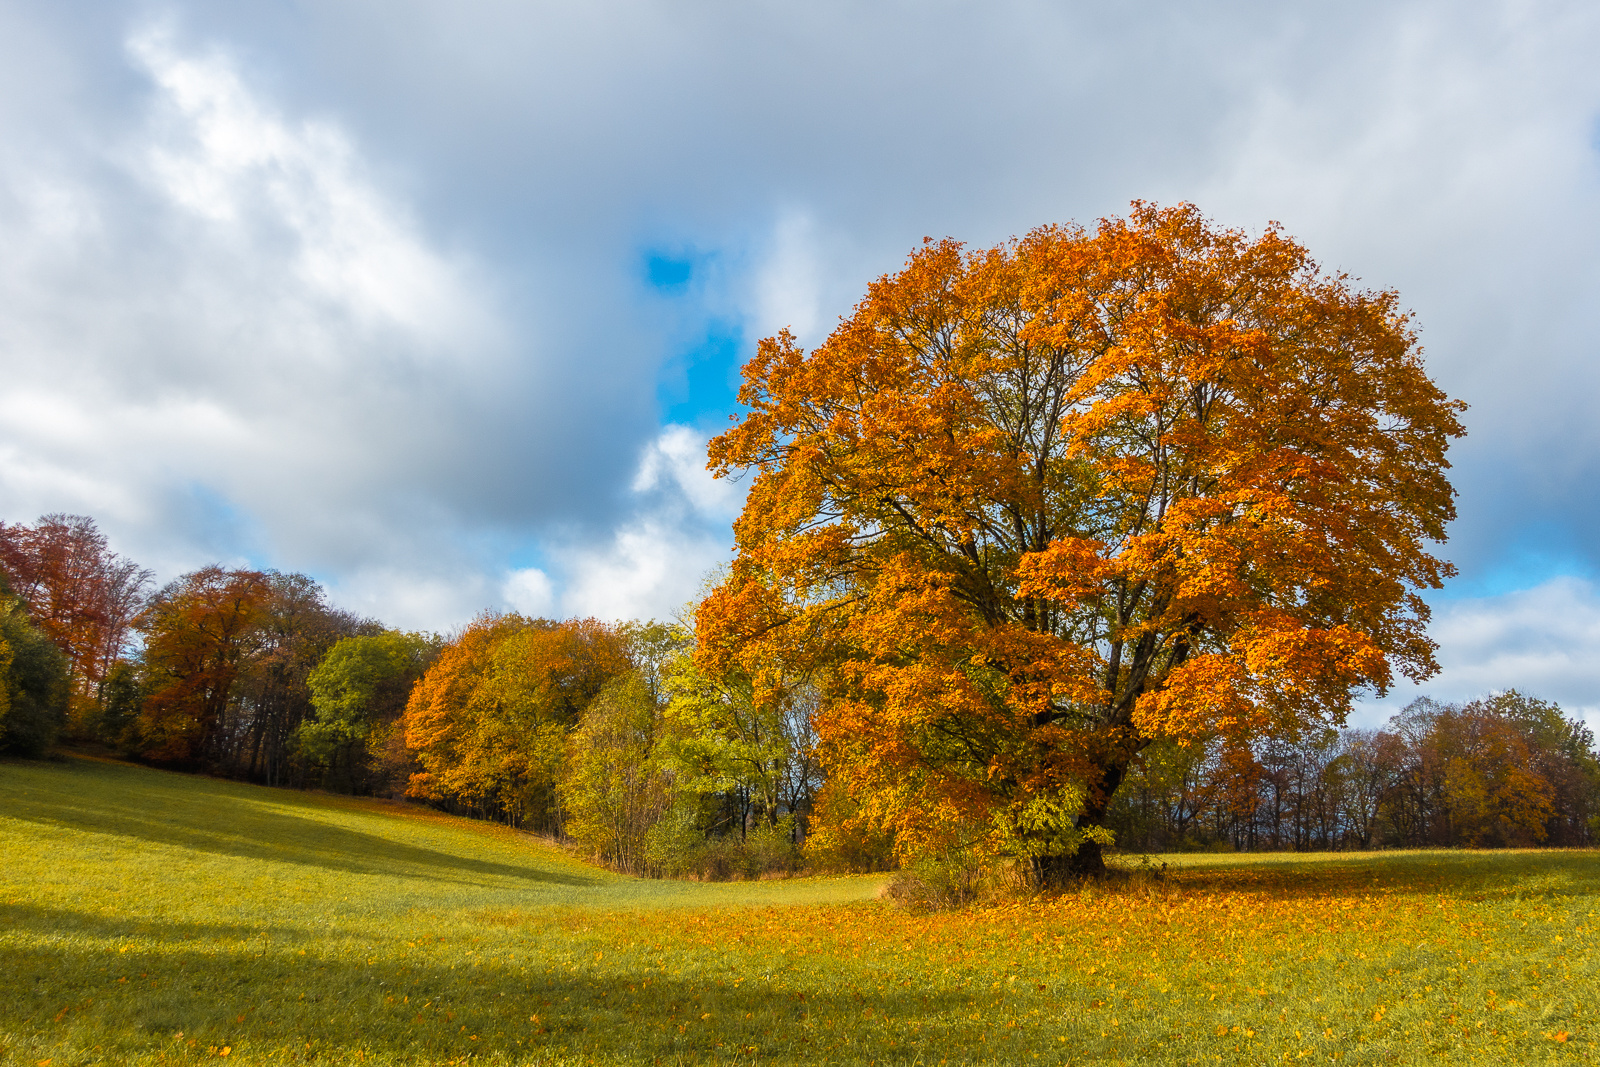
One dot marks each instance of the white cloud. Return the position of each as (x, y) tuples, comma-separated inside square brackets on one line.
[(223, 156), (220, 309), (788, 283), (654, 564), (676, 460), (410, 598), (650, 569), (1543, 641), (529, 592)]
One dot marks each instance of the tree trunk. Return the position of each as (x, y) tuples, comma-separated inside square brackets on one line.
[(1056, 871), (1089, 861)]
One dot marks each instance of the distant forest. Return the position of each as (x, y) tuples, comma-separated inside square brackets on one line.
[(613, 737)]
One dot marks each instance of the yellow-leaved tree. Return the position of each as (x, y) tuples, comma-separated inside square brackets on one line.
[(1033, 507), (488, 721)]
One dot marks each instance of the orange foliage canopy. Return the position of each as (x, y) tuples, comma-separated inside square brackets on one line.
[(1034, 506)]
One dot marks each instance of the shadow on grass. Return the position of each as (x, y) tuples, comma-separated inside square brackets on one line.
[(30, 921), (244, 821), (1480, 874), (204, 988)]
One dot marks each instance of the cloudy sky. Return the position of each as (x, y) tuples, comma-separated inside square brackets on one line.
[(439, 302)]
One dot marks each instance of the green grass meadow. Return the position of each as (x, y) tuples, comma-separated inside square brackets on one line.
[(148, 917)]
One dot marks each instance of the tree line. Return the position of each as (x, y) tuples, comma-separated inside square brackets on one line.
[(616, 737), (604, 734), (1508, 770)]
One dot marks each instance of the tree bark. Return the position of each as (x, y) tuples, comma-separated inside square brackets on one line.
[(1089, 861)]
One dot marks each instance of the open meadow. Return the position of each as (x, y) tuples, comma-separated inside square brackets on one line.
[(151, 918)]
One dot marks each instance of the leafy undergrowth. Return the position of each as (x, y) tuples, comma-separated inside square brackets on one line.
[(154, 918)]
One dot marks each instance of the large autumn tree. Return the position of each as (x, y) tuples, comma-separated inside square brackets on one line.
[(1033, 507)]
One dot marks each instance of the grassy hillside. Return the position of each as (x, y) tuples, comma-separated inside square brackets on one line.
[(157, 918)]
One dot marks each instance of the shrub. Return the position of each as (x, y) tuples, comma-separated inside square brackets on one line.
[(938, 883)]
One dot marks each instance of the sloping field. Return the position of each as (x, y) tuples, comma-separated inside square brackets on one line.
[(156, 918)]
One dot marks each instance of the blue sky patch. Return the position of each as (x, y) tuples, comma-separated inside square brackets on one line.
[(1541, 551), (221, 528), (701, 386), (668, 272)]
